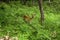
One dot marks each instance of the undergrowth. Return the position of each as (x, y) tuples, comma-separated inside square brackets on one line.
[(11, 20)]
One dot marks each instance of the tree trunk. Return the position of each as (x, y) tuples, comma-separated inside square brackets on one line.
[(41, 11)]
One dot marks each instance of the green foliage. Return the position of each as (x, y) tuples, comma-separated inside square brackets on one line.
[(11, 20)]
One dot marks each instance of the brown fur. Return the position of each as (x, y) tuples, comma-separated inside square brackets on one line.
[(28, 18)]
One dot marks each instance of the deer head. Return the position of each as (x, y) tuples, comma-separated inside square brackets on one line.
[(28, 18)]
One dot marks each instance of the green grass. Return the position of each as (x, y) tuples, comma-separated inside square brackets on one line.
[(11, 20)]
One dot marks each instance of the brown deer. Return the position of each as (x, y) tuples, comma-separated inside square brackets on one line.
[(28, 18)]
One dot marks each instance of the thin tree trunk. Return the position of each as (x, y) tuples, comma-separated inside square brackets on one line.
[(41, 11)]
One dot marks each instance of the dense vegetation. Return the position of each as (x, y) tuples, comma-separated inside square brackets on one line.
[(11, 20)]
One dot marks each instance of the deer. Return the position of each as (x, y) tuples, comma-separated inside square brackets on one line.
[(27, 18)]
